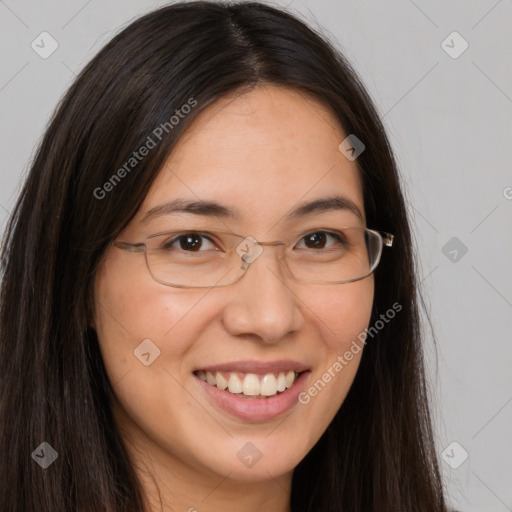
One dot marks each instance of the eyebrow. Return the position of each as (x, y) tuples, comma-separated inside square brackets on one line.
[(213, 209)]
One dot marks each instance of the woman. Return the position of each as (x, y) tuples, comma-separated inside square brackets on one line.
[(209, 298)]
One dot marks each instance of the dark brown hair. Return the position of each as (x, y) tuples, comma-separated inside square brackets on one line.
[(377, 454)]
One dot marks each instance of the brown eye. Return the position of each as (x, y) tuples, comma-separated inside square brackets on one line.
[(320, 239), (188, 242), (315, 240)]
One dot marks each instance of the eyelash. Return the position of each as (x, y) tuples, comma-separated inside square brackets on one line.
[(335, 235)]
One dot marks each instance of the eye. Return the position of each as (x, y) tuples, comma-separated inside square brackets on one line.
[(319, 239), (189, 242)]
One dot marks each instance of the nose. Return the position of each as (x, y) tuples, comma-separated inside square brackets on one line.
[(264, 302)]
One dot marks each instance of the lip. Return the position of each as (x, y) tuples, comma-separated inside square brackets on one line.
[(254, 410), (260, 367)]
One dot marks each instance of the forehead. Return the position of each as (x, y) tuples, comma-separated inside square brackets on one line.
[(261, 154)]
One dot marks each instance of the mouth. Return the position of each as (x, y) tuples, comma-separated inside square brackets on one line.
[(253, 391), (250, 385)]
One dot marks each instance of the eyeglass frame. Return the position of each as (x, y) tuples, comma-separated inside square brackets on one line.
[(386, 240)]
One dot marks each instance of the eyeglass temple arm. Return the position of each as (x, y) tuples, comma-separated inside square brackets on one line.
[(130, 247), (387, 238)]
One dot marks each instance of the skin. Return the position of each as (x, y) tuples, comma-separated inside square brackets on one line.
[(262, 153)]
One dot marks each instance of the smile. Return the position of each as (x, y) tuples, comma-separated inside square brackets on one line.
[(250, 384), (253, 391)]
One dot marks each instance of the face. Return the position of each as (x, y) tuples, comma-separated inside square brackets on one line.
[(260, 154)]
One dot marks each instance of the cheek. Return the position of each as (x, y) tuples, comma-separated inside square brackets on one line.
[(137, 312), (341, 315), (343, 312), (129, 311)]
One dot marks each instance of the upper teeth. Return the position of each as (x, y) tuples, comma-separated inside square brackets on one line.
[(251, 384)]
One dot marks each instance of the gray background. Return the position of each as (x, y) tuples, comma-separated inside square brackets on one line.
[(449, 120)]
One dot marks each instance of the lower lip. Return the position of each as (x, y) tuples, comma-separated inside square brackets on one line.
[(256, 409)]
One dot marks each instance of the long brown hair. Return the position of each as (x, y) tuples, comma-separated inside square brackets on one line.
[(377, 454)]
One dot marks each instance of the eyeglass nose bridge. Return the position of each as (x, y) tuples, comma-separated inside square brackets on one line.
[(250, 249)]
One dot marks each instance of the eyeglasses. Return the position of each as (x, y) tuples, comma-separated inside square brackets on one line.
[(205, 259)]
